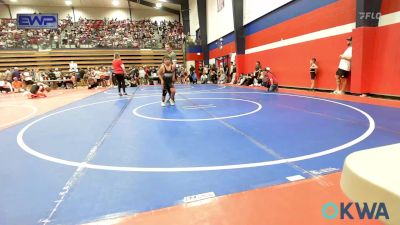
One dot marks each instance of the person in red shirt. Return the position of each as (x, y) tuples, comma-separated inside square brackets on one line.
[(273, 82), (119, 73)]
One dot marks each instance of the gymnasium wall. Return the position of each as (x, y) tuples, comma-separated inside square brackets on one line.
[(93, 13), (286, 38), (193, 16), (4, 11), (296, 33), (219, 23), (253, 9), (287, 47), (379, 62)]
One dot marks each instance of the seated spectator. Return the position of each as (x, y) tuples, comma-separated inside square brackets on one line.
[(222, 77), (27, 78), (92, 82), (213, 74), (193, 77), (204, 78), (273, 82), (17, 85), (5, 87), (243, 79), (8, 75)]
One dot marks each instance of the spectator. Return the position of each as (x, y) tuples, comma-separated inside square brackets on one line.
[(92, 82), (73, 67), (273, 82), (313, 72), (94, 33), (27, 78), (222, 76), (16, 73), (142, 74), (232, 72), (8, 75), (5, 86), (344, 68), (17, 85), (204, 78)]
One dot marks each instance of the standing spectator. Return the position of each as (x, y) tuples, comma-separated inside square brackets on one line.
[(15, 73), (232, 72), (313, 72), (142, 75), (171, 53), (344, 68), (73, 67)]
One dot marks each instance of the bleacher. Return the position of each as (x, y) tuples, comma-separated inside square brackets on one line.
[(60, 58)]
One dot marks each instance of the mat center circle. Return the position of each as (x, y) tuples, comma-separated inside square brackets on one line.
[(198, 109)]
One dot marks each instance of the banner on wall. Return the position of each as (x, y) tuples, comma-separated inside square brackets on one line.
[(37, 21), (220, 5)]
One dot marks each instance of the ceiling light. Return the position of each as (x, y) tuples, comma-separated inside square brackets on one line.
[(115, 2), (158, 5), (13, 0), (68, 2)]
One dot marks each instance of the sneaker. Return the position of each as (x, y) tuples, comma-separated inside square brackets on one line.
[(125, 93), (172, 102), (340, 93), (335, 92), (163, 104), (120, 94)]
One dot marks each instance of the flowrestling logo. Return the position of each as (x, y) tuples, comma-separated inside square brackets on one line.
[(363, 211), (37, 21)]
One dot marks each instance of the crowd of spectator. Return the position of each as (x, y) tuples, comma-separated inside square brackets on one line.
[(18, 80), (87, 33), (224, 74)]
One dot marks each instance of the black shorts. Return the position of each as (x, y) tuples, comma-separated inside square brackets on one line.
[(313, 75), (168, 84), (342, 73)]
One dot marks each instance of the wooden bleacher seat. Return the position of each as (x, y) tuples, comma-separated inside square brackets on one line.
[(60, 58)]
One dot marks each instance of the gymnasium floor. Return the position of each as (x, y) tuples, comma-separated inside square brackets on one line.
[(82, 156)]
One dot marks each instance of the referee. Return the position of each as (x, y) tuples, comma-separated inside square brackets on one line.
[(171, 53)]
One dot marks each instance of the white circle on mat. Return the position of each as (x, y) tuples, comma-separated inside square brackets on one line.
[(33, 152), (259, 107)]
